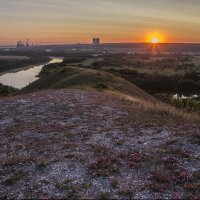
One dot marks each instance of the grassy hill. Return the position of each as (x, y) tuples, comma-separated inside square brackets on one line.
[(56, 77), (119, 143)]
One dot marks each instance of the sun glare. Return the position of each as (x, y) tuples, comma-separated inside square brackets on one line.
[(155, 38)]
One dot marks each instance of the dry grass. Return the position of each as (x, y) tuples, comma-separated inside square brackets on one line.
[(158, 107)]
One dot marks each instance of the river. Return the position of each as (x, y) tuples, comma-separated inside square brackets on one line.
[(22, 78)]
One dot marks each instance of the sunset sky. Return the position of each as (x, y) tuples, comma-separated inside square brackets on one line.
[(72, 21)]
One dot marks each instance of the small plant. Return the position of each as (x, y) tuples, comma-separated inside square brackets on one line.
[(177, 196), (13, 160), (45, 181), (101, 86), (70, 145), (133, 158), (100, 149), (114, 183), (15, 178), (195, 138), (178, 174), (181, 152), (103, 166), (171, 141), (119, 142), (104, 195), (157, 187), (66, 185), (193, 185), (75, 156), (169, 175), (42, 164), (126, 192)]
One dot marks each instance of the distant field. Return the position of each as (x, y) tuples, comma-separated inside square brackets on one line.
[(88, 62), (14, 57), (146, 68), (165, 71), (196, 61)]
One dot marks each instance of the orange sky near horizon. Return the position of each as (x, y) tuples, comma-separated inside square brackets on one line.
[(78, 21)]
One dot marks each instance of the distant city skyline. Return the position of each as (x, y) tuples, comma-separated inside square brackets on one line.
[(114, 21)]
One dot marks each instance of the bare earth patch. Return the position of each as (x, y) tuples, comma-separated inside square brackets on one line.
[(78, 144)]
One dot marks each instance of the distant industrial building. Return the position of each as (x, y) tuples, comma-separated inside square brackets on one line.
[(96, 41), (21, 43), (27, 43)]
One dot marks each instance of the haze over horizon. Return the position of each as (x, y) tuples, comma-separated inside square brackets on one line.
[(65, 21)]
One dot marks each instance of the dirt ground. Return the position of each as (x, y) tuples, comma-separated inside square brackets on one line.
[(78, 144)]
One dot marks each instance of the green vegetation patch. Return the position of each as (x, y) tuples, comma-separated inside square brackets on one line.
[(10, 64), (15, 178), (7, 90)]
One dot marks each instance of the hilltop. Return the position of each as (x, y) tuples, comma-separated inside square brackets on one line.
[(70, 143), (56, 77)]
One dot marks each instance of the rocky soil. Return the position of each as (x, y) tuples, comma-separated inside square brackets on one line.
[(78, 144)]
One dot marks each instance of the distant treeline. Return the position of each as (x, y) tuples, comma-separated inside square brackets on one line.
[(13, 64), (155, 83)]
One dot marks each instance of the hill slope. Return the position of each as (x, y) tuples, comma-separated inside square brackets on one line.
[(87, 144), (55, 77)]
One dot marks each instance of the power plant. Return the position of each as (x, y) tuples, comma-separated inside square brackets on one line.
[(96, 41), (22, 43)]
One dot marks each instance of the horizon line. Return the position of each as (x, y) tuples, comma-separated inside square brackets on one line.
[(106, 43)]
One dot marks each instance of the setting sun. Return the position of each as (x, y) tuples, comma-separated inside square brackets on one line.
[(155, 38)]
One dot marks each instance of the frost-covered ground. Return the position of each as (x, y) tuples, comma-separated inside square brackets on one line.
[(78, 144)]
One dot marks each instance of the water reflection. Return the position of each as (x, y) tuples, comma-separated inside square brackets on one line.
[(24, 77)]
